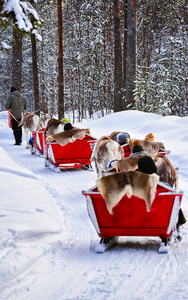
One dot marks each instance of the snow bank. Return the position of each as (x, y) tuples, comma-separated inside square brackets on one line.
[(47, 238), (34, 214)]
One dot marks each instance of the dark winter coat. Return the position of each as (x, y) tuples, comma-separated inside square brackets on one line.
[(16, 103)]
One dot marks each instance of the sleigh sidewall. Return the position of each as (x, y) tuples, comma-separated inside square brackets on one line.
[(130, 217), (72, 155)]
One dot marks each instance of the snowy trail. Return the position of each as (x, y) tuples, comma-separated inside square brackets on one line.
[(66, 266)]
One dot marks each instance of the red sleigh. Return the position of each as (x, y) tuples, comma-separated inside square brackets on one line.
[(72, 155), (131, 218), (39, 140), (127, 151)]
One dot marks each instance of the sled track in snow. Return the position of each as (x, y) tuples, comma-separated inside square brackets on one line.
[(151, 278), (80, 272)]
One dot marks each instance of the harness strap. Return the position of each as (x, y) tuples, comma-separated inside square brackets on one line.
[(14, 118), (110, 164)]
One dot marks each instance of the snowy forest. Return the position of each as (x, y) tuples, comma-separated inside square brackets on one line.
[(80, 57)]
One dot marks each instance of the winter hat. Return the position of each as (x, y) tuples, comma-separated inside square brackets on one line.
[(13, 89), (122, 138), (65, 120), (149, 137), (137, 147), (67, 126), (146, 165)]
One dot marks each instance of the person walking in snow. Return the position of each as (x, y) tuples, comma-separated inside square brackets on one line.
[(16, 103)]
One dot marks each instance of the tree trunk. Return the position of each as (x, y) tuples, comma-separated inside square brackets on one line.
[(104, 59), (17, 59), (47, 75), (110, 80), (89, 82), (60, 61), (145, 63), (118, 59), (131, 52), (41, 62), (72, 93), (55, 77), (35, 69), (124, 47), (35, 74)]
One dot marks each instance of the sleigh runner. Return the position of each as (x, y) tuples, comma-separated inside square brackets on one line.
[(130, 217)]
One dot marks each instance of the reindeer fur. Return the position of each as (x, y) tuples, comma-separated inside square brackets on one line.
[(106, 150), (54, 126), (152, 148), (127, 164), (114, 186), (68, 136), (167, 173), (30, 122)]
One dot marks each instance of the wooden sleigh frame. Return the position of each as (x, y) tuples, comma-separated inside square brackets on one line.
[(130, 217)]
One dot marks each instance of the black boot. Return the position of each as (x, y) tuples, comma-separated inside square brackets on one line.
[(181, 218), (17, 137), (20, 135)]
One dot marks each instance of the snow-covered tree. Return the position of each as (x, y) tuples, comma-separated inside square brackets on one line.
[(20, 13), (160, 84), (88, 56)]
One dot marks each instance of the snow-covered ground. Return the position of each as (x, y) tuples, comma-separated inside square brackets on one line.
[(47, 238)]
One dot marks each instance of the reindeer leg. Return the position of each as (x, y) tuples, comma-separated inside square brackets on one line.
[(27, 139)]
